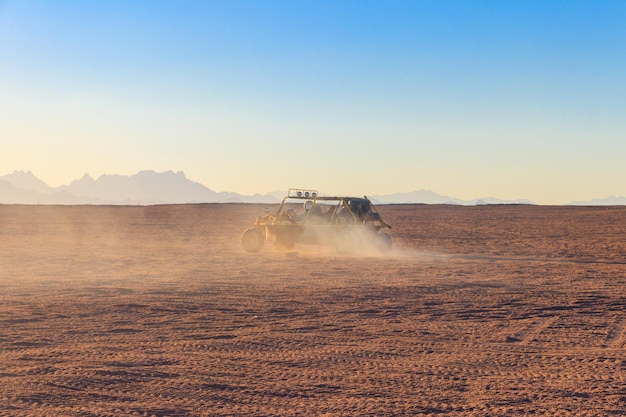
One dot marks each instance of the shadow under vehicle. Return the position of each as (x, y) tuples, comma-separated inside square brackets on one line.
[(350, 224)]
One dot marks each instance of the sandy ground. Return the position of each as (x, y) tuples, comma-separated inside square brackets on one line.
[(157, 311)]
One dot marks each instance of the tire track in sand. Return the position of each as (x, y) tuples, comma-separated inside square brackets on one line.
[(532, 333), (616, 337)]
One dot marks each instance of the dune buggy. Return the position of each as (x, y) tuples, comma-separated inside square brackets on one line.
[(350, 224)]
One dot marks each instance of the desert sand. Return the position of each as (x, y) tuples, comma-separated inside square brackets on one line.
[(157, 311)]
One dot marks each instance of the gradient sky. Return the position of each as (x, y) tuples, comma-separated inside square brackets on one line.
[(510, 99)]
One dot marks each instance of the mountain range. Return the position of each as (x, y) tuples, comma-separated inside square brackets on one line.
[(150, 187), (143, 188)]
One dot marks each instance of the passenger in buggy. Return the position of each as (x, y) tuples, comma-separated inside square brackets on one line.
[(359, 207), (316, 215), (300, 218)]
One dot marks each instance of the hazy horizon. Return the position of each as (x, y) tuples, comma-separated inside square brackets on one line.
[(468, 99)]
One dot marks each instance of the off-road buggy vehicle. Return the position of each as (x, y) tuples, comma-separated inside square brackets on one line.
[(350, 224)]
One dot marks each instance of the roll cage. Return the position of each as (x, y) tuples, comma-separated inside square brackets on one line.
[(331, 210)]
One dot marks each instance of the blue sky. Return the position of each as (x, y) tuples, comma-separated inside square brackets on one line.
[(466, 98)]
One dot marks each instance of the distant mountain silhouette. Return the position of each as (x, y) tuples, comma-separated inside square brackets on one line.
[(608, 201), (430, 197), (10, 194), (145, 187), (150, 187), (25, 180), (421, 196)]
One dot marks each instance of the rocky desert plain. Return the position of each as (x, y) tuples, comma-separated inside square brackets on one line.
[(158, 311)]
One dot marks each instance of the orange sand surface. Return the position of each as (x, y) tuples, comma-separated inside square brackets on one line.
[(157, 311)]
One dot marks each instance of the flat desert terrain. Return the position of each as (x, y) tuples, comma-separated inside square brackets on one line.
[(157, 311)]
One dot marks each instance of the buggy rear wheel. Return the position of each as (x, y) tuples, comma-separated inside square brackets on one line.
[(382, 242), (252, 240)]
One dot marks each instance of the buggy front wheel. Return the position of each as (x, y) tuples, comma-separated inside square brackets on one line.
[(252, 240)]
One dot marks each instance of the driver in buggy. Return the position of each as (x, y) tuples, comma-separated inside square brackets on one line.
[(300, 218), (311, 213)]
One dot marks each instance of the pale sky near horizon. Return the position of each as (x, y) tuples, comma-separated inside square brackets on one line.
[(469, 99)]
